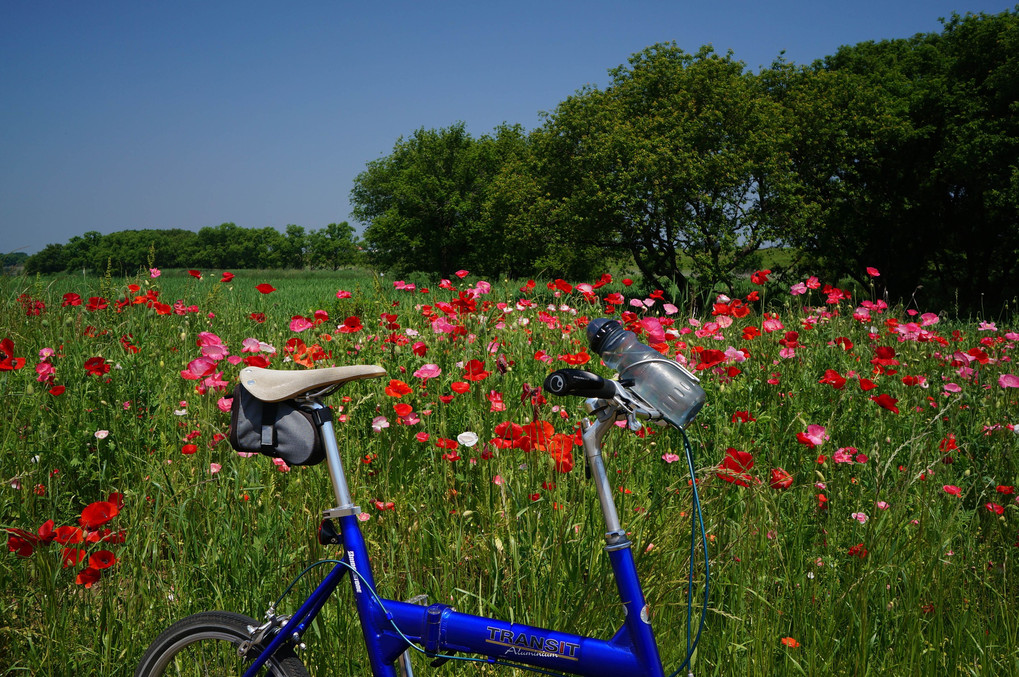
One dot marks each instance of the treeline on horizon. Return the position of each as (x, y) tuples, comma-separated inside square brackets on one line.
[(224, 246), (902, 155)]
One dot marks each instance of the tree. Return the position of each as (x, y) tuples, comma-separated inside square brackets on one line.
[(295, 246), (51, 259), (423, 204), (682, 162), (944, 188), (229, 246), (333, 246), (840, 129)]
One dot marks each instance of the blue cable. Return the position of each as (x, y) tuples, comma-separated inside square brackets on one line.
[(696, 509)]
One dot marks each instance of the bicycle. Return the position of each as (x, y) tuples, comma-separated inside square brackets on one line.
[(393, 629)]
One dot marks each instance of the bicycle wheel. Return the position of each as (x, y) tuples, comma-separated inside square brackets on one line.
[(206, 644)]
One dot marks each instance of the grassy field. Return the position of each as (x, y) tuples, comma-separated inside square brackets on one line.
[(857, 466)]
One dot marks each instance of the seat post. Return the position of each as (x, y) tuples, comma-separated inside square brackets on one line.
[(344, 504)]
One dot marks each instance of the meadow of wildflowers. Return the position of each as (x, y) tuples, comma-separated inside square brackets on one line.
[(856, 462)]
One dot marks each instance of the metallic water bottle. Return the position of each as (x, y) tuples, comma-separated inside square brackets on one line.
[(661, 382)]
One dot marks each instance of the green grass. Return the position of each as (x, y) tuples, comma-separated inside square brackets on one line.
[(933, 595)]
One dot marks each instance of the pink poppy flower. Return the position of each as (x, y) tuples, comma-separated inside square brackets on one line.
[(427, 371), (1008, 381), (814, 436)]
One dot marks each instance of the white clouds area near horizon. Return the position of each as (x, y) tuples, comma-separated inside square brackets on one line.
[(128, 115)]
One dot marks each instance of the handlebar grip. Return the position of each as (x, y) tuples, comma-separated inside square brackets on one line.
[(579, 382)]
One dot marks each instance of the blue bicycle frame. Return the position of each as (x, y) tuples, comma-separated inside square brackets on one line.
[(389, 626)]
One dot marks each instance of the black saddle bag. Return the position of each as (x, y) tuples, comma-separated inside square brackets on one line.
[(277, 429)]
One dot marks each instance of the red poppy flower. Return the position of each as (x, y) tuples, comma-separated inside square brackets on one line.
[(96, 303), (790, 642), (7, 360), (995, 508), (579, 358), (509, 430), (188, 449), (734, 467), (22, 546), (351, 325), (536, 436), (952, 490), (710, 358), (257, 361), (743, 417), (760, 277), (561, 449), (780, 479), (474, 370), (886, 401), (265, 288), (71, 556), (834, 379), (866, 384), (71, 299), (96, 366), (68, 535), (857, 551), (227, 276), (46, 532), (459, 387), (257, 317), (102, 559), (844, 343), (561, 285), (98, 514), (884, 356), (402, 409), (88, 577), (397, 388)]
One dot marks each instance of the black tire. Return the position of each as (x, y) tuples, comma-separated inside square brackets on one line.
[(206, 644)]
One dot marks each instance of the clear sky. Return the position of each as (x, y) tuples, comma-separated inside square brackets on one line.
[(118, 115)]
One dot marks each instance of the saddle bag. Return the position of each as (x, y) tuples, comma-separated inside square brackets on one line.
[(277, 429)]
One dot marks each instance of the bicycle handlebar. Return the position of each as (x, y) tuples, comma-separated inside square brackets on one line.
[(579, 382)]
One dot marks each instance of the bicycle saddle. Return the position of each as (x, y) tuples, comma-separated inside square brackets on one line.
[(276, 385)]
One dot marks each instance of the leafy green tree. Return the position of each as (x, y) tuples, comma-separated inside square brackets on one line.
[(333, 246), (228, 246), (82, 251), (682, 162), (50, 259), (840, 128), (423, 204), (942, 190), (295, 247)]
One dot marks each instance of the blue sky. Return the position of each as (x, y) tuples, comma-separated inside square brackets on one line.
[(118, 115)]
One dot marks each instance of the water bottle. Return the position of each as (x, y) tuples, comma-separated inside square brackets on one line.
[(661, 382)]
